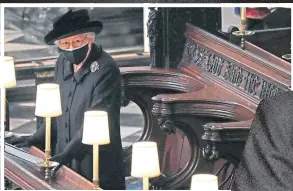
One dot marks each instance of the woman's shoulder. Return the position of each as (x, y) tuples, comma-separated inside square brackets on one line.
[(282, 102), (107, 62)]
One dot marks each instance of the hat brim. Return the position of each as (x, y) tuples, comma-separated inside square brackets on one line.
[(65, 31)]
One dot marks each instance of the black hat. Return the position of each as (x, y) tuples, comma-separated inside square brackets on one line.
[(72, 23)]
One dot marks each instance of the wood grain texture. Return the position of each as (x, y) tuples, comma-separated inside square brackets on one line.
[(30, 177)]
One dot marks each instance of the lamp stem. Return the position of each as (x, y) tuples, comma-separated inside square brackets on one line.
[(48, 147), (243, 20), (96, 166), (48, 139), (145, 183)]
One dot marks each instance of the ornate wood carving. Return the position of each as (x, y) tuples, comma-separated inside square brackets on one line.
[(269, 90), (170, 29), (252, 82), (233, 74), (152, 25), (229, 71), (210, 152), (124, 100), (153, 34)]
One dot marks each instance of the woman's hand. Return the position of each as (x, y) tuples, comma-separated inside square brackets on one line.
[(21, 141), (61, 158)]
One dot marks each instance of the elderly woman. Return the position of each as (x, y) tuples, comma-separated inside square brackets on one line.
[(89, 79)]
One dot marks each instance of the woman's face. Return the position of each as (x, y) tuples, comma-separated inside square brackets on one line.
[(75, 42)]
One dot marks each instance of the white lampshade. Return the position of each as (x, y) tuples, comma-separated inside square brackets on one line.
[(205, 182), (96, 128), (48, 101), (145, 160), (8, 72)]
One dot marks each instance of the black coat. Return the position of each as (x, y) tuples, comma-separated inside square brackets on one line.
[(267, 161), (82, 91)]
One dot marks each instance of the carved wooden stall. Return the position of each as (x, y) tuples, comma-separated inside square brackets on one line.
[(220, 85), (198, 96), (206, 120), (216, 118), (216, 88)]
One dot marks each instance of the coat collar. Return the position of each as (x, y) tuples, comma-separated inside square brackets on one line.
[(85, 69)]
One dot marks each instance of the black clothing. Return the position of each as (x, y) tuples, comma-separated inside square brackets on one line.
[(83, 91), (72, 23), (24, 141), (267, 162)]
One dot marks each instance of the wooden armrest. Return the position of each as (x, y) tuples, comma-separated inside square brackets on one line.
[(199, 103), (172, 79), (227, 132), (29, 176)]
